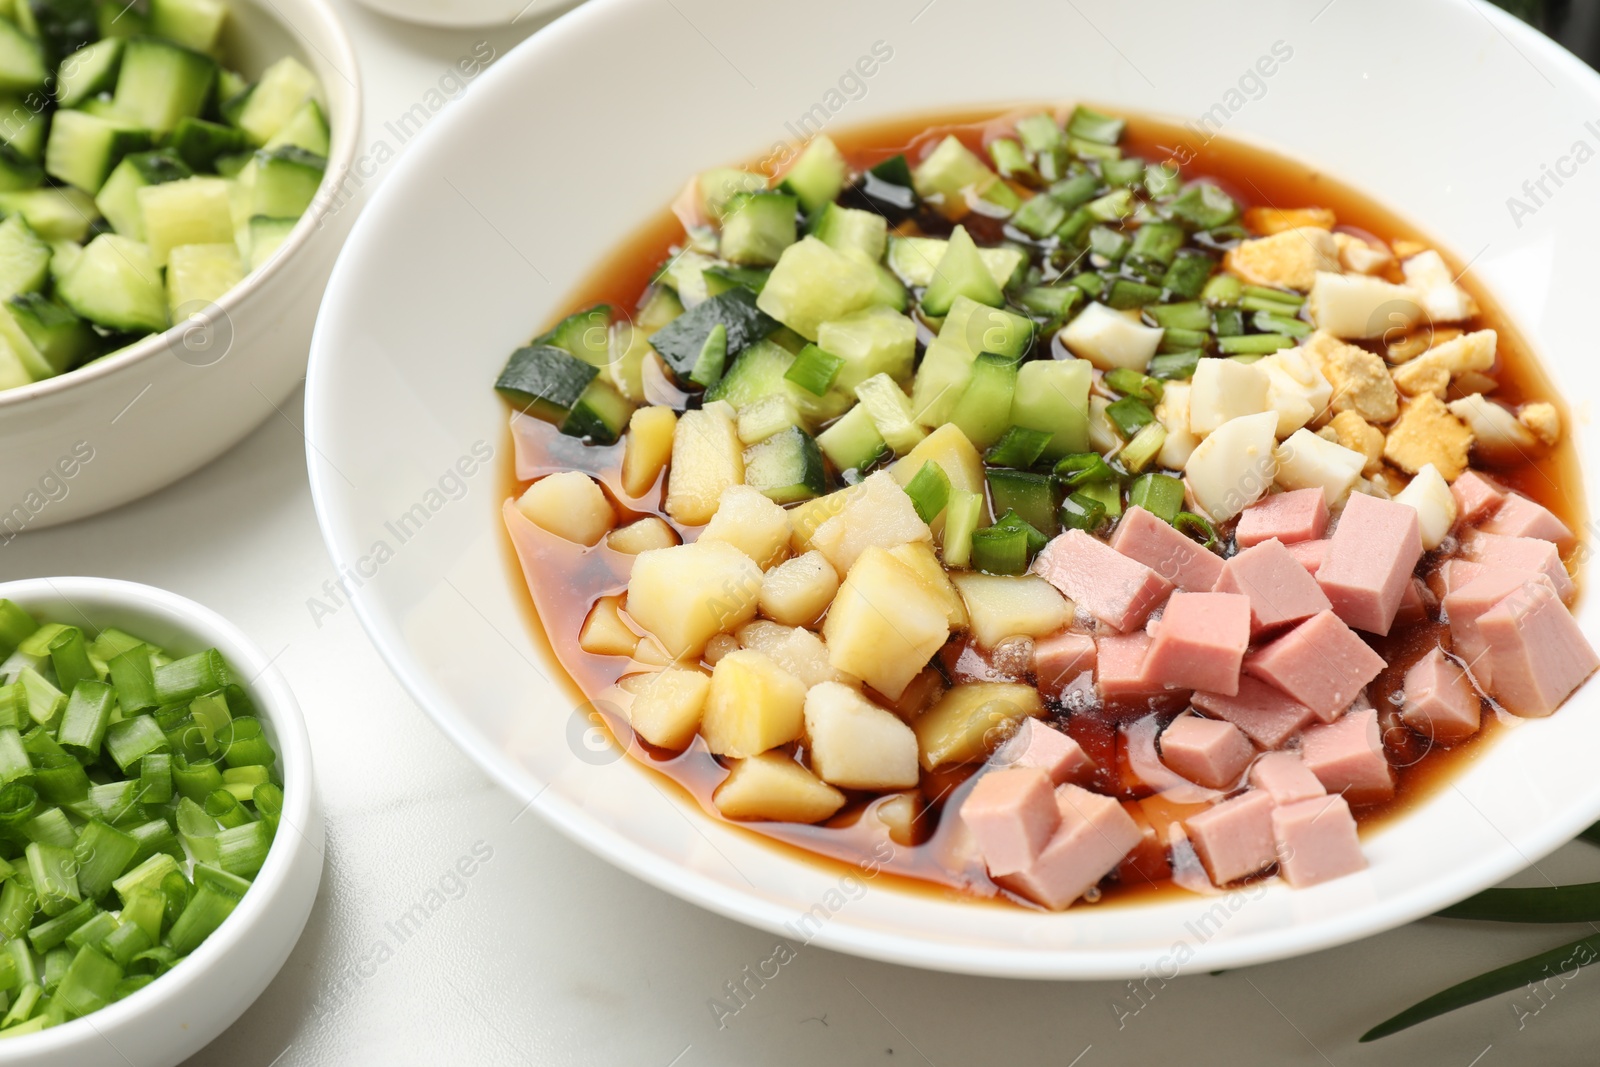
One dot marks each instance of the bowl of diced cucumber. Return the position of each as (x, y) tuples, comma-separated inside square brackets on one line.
[(174, 187)]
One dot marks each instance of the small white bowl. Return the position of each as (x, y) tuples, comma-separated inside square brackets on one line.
[(179, 1013), (486, 13), (111, 432)]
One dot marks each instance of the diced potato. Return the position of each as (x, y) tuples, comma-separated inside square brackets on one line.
[(949, 448), (605, 632), (1442, 298), (707, 457), (754, 705), (884, 624), (1173, 413), (880, 515), (641, 536), (797, 591), (1110, 339), (1359, 306), (1222, 390), (855, 744), (796, 650), (719, 646), (651, 653), (750, 522), (570, 505), (1000, 606), (807, 518), (901, 814), (1296, 389), (773, 786), (1306, 461), (1234, 466), (1498, 436), (685, 594), (1429, 494), (648, 449), (971, 720), (921, 559), (1358, 257), (666, 706), (924, 689)]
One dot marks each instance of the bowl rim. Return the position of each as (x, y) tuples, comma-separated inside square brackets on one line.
[(893, 946), (332, 37), (276, 702)]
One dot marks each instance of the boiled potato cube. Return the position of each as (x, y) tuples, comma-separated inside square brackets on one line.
[(902, 815), (707, 457), (666, 706), (884, 624), (570, 505), (798, 651), (949, 448), (809, 517), (972, 719), (855, 744), (796, 592), (754, 705), (719, 646), (685, 594), (920, 558), (750, 522), (881, 514), (636, 537), (604, 632), (648, 449), (1000, 606), (773, 786)]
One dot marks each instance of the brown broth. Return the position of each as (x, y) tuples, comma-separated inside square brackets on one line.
[(1255, 177)]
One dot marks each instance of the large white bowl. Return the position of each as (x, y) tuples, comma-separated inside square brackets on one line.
[(1441, 109), (179, 1013), (116, 430)]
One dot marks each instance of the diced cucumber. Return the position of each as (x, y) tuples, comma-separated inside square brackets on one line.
[(961, 272), (17, 171), (987, 329), (914, 260), (266, 237), (83, 149), (307, 128), (786, 466), (53, 213), (545, 381), (713, 357), (201, 273), (286, 181), (767, 416), (984, 410), (599, 415), (757, 227), (24, 259), (962, 513), (760, 371), (1053, 397), (953, 172), (845, 228), (283, 87), (89, 71), (681, 341), (116, 283), (194, 24), (118, 199), (686, 275), (813, 284), (13, 374), (890, 412), (22, 62), (1027, 493), (941, 379), (874, 341), (586, 334), (818, 176), (118, 18), (230, 83), (718, 186), (199, 143), (161, 82), (720, 279), (61, 338), (658, 309), (63, 254), (16, 340), (853, 442), (190, 211), (23, 124)]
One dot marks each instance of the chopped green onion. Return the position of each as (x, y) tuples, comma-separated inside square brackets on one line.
[(1223, 289), (154, 962), (1080, 511), (1011, 520), (268, 798), (196, 779), (198, 830), (244, 744), (814, 370), (1281, 296), (224, 807), (1188, 315), (1126, 293), (1039, 133), (1075, 191), (1072, 232), (1090, 125), (83, 723), (1196, 528), (1123, 171), (1010, 161), (1081, 468), (54, 874), (1267, 322), (1040, 216), (89, 984), (150, 874), (1129, 382), (14, 706), (1018, 447), (177, 891), (155, 836), (242, 849), (45, 702), (15, 627), (58, 775), (133, 739), (1108, 493), (103, 853), (125, 942), (929, 490), (1161, 179), (1204, 206), (1176, 340), (1159, 494), (111, 643), (1087, 149), (210, 714), (14, 762), (69, 654), (1129, 415), (1138, 453), (100, 924), (184, 679), (51, 827), (1056, 301), (206, 910), (1254, 344), (1229, 322), (17, 905), (1117, 204), (1158, 241), (145, 909), (1108, 243), (997, 550), (1187, 277), (155, 778)]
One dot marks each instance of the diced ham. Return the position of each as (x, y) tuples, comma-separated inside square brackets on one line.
[(1147, 863), (1310, 554), (1266, 714), (1199, 642), (1234, 838), (1285, 777), (1094, 835), (1208, 751), (1347, 757), (1144, 771), (1415, 605), (1468, 601), (1012, 813), (1186, 564), (1119, 670), (1301, 515), (1536, 653), (1281, 591), (1374, 548), (1316, 840), (1321, 663), (1531, 555), (1440, 702), (1453, 574), (1517, 516), (1119, 591), (1476, 497), (1040, 746), (1059, 659)]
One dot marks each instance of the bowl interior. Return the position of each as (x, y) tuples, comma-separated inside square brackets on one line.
[(479, 234)]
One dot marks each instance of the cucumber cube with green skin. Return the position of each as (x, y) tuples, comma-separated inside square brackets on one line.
[(1053, 397), (62, 338), (877, 340), (961, 272), (83, 149), (984, 410), (979, 328), (190, 211), (118, 199), (600, 414), (119, 18), (266, 237), (307, 128), (161, 82), (952, 172), (818, 176), (63, 254), (853, 442), (18, 172), (718, 186), (88, 72), (757, 227), (681, 341), (283, 87), (586, 334), (198, 142), (22, 63), (813, 284), (24, 259), (286, 182), (786, 466), (53, 213), (13, 375), (230, 83), (843, 228), (199, 274), (15, 340), (194, 24), (545, 381), (23, 124), (116, 283), (1027, 493)]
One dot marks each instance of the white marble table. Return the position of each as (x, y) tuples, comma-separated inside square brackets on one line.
[(546, 955)]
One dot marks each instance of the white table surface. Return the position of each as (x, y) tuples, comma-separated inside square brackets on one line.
[(547, 955)]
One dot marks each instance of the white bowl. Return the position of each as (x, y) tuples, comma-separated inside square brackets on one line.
[(486, 13), (477, 237), (116, 430), (179, 1013)]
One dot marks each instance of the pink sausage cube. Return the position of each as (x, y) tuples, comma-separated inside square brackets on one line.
[(1537, 655), (1528, 554), (1060, 658), (1120, 667), (1289, 517), (1321, 663), (1316, 840), (1118, 591), (1266, 714), (1375, 547), (1285, 777), (1094, 834), (1476, 497), (1517, 516), (1467, 602), (1047, 749), (1208, 751), (1440, 702), (1310, 554), (1415, 605), (1011, 812), (1234, 838), (1143, 537), (1281, 591), (1199, 642), (1455, 573), (1347, 757)]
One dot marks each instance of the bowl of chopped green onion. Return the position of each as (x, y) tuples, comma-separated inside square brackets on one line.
[(160, 844)]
